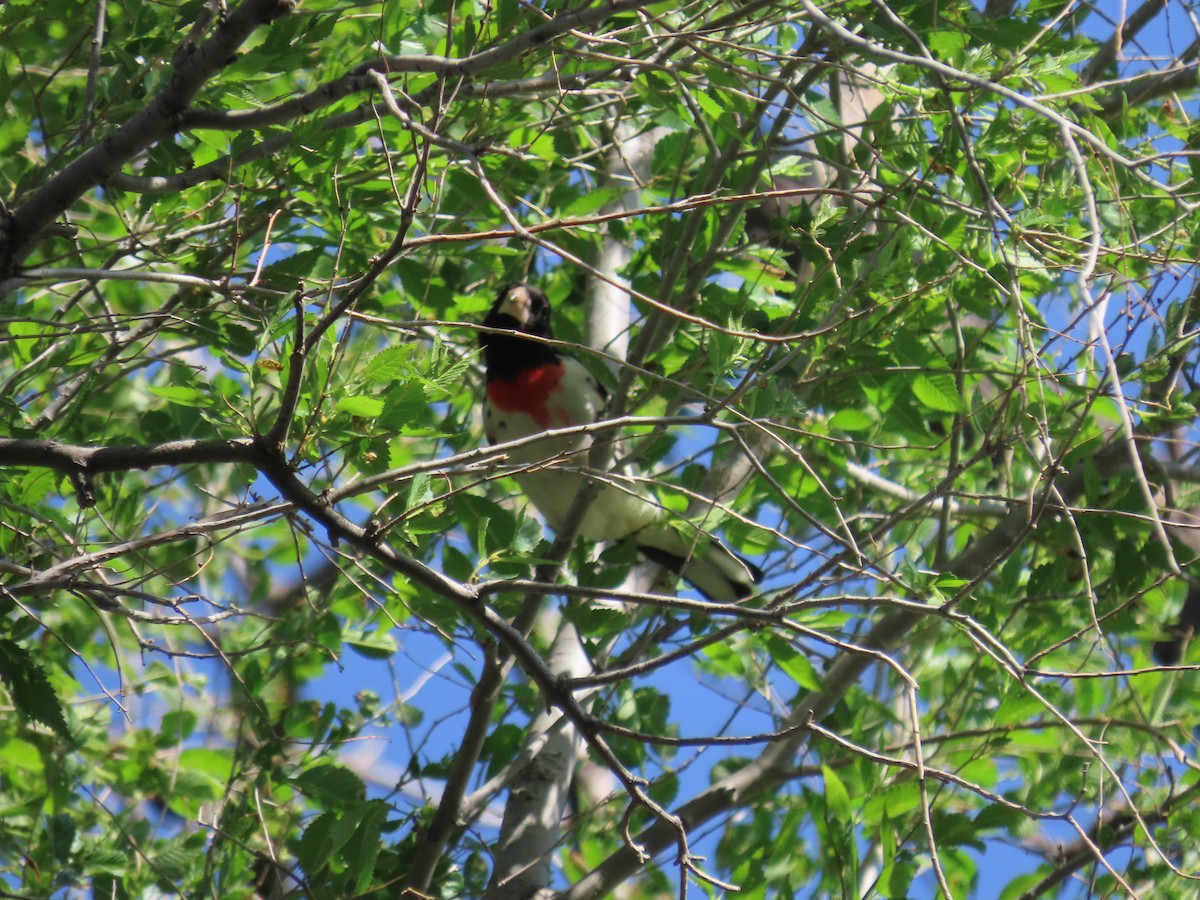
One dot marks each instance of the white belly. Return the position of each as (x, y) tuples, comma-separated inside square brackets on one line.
[(613, 514), (616, 511)]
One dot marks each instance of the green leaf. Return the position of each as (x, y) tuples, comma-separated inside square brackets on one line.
[(389, 364), (174, 863), (946, 45), (669, 152), (331, 786), (591, 201), (1021, 885), (362, 850), (939, 392), (361, 407), (836, 796), (372, 645), (316, 846), (218, 764), (61, 827), (183, 396), (201, 777), (31, 691), (792, 661), (190, 619), (405, 403), (851, 420)]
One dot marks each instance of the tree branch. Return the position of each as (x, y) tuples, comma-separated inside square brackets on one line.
[(283, 113), (82, 463), (773, 766), (155, 121), (1122, 35)]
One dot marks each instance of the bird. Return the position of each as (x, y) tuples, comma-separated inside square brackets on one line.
[(531, 386)]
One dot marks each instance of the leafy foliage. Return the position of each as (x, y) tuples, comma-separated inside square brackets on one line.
[(911, 294)]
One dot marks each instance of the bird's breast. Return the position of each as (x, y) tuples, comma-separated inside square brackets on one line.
[(529, 393)]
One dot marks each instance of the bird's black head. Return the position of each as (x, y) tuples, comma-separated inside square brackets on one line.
[(521, 307), (524, 310)]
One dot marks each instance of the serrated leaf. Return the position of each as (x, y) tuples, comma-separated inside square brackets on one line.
[(668, 152), (174, 863), (62, 835), (705, 101), (300, 265), (31, 690), (938, 392), (330, 786), (543, 146), (35, 485), (362, 850), (316, 846), (389, 364), (444, 370), (405, 402)]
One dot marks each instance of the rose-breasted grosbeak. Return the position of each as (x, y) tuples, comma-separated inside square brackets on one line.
[(531, 387)]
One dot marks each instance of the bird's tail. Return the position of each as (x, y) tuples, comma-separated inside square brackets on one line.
[(703, 562)]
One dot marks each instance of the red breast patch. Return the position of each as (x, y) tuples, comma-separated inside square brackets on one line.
[(528, 392)]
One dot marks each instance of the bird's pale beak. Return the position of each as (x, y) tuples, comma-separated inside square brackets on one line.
[(517, 303)]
